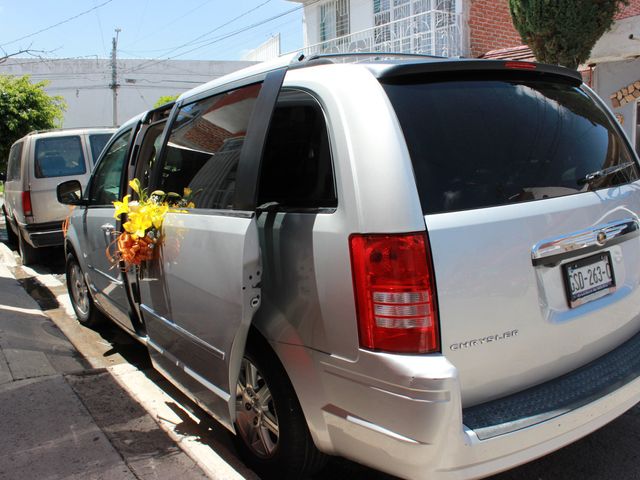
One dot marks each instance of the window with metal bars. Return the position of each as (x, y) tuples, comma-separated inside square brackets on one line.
[(412, 26), (334, 19)]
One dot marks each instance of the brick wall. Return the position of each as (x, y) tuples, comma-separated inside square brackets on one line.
[(630, 11), (490, 26)]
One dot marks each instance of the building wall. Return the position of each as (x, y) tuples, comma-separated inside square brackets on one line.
[(490, 26), (609, 78), (630, 10), (360, 18), (266, 51), (361, 15), (84, 84)]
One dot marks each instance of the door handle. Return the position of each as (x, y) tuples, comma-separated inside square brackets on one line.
[(551, 251), (107, 230)]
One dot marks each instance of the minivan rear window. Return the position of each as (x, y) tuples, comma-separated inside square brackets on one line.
[(59, 157), (97, 142), (480, 142)]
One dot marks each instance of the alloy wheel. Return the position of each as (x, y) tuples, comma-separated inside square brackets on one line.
[(256, 417), (79, 290)]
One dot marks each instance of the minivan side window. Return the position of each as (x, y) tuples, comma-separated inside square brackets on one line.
[(59, 157), (13, 168), (107, 179), (297, 171), (203, 148)]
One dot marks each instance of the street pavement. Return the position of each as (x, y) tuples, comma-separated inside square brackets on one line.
[(55, 420)]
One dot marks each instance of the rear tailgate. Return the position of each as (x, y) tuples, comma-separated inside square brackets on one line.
[(56, 159), (530, 196)]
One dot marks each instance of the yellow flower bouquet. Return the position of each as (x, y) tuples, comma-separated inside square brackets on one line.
[(144, 221)]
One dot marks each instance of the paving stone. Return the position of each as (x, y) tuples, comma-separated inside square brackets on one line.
[(147, 449), (50, 435)]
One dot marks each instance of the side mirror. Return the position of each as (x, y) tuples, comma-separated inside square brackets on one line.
[(70, 193), (3, 177)]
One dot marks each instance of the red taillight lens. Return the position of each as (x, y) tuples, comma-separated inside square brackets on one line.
[(395, 293), (26, 203)]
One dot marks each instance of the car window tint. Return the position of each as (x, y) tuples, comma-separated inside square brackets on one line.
[(59, 157), (485, 141), (97, 142), (13, 168), (107, 178), (296, 168), (204, 146)]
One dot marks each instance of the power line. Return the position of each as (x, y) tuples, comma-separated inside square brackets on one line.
[(104, 48), (162, 27), (11, 63), (57, 24), (194, 40), (220, 38)]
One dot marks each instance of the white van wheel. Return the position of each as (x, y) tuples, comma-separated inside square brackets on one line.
[(28, 253), (12, 238), (271, 432)]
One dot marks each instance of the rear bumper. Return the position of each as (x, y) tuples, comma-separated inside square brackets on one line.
[(43, 234), (403, 414)]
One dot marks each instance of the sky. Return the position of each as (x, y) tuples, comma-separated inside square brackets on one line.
[(150, 29)]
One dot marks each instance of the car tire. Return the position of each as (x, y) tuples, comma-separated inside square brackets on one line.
[(28, 253), (272, 436), (81, 301), (12, 238)]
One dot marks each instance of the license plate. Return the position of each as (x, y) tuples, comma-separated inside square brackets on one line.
[(588, 278)]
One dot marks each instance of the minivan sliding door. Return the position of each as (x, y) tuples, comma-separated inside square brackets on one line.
[(199, 294)]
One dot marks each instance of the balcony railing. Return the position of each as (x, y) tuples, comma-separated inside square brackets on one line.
[(434, 32)]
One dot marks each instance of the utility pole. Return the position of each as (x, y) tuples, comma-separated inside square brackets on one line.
[(114, 77)]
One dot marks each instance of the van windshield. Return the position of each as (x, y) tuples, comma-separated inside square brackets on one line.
[(59, 157), (479, 142)]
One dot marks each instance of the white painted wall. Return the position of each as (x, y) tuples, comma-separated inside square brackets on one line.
[(360, 18), (612, 76), (264, 52), (361, 15), (84, 84), (616, 44)]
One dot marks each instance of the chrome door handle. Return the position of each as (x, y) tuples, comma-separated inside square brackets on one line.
[(107, 231), (553, 250)]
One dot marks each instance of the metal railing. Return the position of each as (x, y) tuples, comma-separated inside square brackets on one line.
[(433, 32)]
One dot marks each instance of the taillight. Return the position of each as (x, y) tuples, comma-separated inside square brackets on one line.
[(26, 203), (520, 65), (395, 293)]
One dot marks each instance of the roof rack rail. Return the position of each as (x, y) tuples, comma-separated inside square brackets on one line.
[(302, 60), (35, 132)]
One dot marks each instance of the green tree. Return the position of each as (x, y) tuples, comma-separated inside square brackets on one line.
[(563, 32), (25, 107), (165, 99)]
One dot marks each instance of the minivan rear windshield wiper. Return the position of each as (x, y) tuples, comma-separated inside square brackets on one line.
[(590, 177)]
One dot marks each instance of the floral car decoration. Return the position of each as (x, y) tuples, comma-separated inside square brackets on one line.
[(144, 217)]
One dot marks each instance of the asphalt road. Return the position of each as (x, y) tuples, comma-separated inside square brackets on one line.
[(612, 452)]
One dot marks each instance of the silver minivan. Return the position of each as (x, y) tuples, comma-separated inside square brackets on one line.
[(37, 162), (424, 265)]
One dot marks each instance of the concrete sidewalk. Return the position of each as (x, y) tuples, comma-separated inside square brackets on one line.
[(61, 419)]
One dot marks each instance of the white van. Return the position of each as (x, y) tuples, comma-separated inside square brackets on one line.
[(37, 162)]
